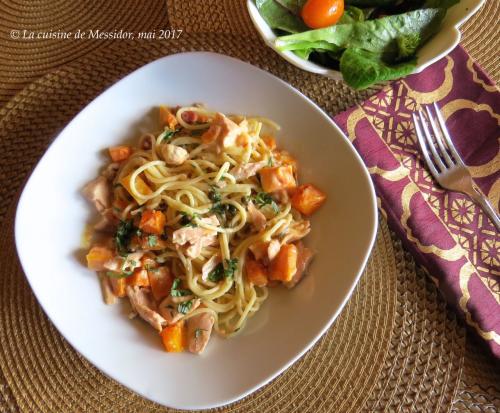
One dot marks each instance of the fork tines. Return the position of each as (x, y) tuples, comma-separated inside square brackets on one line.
[(438, 149)]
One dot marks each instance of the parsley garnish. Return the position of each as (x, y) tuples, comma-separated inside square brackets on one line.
[(176, 292), (219, 272), (152, 240), (270, 161), (214, 195), (263, 198), (184, 307), (123, 235), (188, 220), (166, 135), (119, 275)]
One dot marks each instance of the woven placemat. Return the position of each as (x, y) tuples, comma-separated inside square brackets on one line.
[(394, 347)]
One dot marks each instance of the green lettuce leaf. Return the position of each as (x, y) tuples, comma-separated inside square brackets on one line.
[(376, 36), (370, 3), (279, 17), (352, 15), (361, 68), (295, 6)]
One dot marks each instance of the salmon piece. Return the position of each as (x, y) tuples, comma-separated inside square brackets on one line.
[(198, 332), (256, 218), (173, 154), (247, 170), (265, 251), (307, 199), (284, 265), (209, 266), (120, 264), (304, 257), (223, 132), (143, 304), (284, 158), (169, 307), (196, 237), (276, 178), (110, 171), (296, 231), (98, 192)]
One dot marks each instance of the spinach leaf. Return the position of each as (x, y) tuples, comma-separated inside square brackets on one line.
[(219, 272), (361, 68), (188, 220), (279, 17), (175, 291), (370, 3), (123, 235), (376, 36), (295, 6)]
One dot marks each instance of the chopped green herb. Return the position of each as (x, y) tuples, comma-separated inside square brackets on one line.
[(263, 198), (270, 161), (166, 135), (152, 240), (198, 332), (184, 307), (123, 235), (118, 274), (225, 211), (176, 292), (214, 195), (219, 272), (188, 220)]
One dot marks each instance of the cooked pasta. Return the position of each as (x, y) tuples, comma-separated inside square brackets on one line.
[(197, 221)]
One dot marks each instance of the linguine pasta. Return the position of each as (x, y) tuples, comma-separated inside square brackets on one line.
[(198, 221)]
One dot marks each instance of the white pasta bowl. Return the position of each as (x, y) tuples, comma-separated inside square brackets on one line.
[(437, 47), (52, 209)]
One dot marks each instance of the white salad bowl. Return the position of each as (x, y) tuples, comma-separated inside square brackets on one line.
[(437, 47), (51, 208)]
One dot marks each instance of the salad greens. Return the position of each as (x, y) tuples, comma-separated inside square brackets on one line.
[(374, 40)]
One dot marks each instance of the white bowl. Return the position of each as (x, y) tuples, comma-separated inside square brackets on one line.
[(437, 47), (51, 216)]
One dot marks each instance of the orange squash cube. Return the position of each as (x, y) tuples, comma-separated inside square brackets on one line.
[(167, 118), (276, 178), (152, 221), (118, 286), (173, 337), (284, 265), (161, 282), (284, 158), (139, 278), (140, 185), (97, 257), (119, 153), (307, 199), (256, 272), (269, 141)]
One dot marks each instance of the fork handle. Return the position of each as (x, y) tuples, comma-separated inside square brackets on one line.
[(487, 207)]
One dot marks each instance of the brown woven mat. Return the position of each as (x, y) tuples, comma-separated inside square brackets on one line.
[(395, 347)]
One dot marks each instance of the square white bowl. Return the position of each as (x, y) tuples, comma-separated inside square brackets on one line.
[(51, 216), (436, 48)]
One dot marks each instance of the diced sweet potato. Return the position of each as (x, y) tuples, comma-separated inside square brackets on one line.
[(98, 256), (256, 272), (276, 178), (284, 158), (161, 281), (152, 221), (173, 337), (140, 185), (211, 134), (167, 118), (307, 199), (118, 286), (269, 141), (119, 153), (284, 265), (139, 278), (149, 243)]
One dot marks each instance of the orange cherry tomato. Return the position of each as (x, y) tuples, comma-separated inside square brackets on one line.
[(322, 13)]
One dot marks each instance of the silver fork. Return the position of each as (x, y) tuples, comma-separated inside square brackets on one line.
[(444, 161)]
